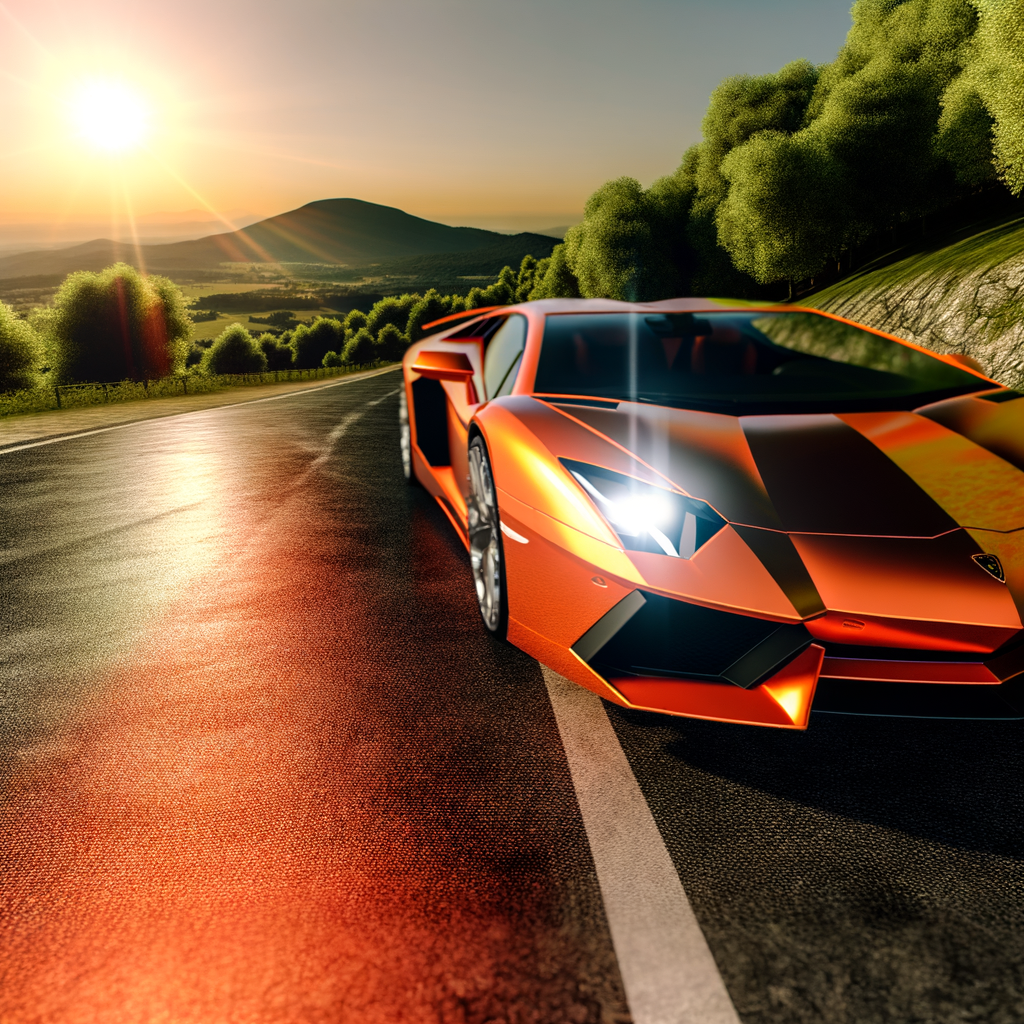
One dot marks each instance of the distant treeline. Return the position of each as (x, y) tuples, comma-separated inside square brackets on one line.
[(266, 300), (122, 325), (381, 334), (923, 105), (262, 301)]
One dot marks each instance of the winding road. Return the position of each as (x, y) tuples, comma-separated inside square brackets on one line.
[(262, 763)]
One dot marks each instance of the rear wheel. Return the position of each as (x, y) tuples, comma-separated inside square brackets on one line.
[(486, 553), (405, 438)]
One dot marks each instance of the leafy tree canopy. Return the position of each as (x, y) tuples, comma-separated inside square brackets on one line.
[(394, 309), (359, 349), (312, 342), (998, 77), (554, 277), (116, 325), (784, 206), (20, 352), (742, 106), (428, 308), (390, 344), (280, 355), (234, 351)]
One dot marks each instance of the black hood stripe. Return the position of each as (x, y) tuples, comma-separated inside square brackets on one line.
[(776, 553), (824, 477)]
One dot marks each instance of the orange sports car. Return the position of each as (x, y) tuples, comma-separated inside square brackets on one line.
[(729, 511)]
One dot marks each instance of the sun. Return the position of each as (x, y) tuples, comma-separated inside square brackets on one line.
[(109, 116)]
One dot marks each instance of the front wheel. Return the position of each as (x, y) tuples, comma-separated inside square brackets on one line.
[(486, 554)]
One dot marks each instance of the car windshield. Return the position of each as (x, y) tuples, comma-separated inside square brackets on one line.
[(739, 362)]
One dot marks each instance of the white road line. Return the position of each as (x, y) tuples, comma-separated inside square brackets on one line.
[(384, 398), (667, 968), (192, 412), (333, 438)]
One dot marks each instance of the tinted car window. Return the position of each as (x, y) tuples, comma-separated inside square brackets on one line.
[(739, 362), (501, 360), (477, 329)]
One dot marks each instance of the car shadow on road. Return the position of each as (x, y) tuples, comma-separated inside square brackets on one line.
[(959, 783)]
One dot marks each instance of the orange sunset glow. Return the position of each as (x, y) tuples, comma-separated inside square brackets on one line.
[(229, 109), (109, 115)]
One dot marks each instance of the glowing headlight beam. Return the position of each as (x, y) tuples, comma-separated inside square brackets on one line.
[(637, 515)]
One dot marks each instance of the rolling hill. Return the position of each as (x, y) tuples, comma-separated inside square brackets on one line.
[(332, 231)]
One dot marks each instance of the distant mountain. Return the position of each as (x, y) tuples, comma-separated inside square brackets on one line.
[(331, 231)]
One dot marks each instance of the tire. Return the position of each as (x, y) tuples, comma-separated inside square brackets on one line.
[(486, 551), (405, 439)]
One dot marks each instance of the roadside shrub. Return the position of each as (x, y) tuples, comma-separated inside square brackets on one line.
[(394, 309), (353, 322), (391, 344), (431, 306), (20, 352), (234, 351), (359, 349), (116, 325), (280, 355), (554, 279), (501, 293), (333, 359), (313, 341)]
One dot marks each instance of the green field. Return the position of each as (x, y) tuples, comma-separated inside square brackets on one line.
[(209, 329)]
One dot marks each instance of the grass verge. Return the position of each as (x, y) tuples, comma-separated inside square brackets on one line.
[(77, 396)]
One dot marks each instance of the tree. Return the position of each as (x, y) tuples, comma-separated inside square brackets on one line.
[(997, 76), (355, 319), (280, 355), (359, 349), (621, 250), (526, 278), (333, 359), (116, 325), (20, 352), (390, 345), (964, 137), (313, 341), (879, 105), (393, 309), (740, 107), (501, 293), (234, 351), (555, 279), (430, 307), (780, 217)]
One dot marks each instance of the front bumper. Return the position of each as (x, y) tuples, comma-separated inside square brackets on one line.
[(667, 655)]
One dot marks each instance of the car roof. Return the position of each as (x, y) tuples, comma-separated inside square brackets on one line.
[(686, 305)]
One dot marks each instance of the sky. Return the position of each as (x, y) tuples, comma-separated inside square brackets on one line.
[(503, 114)]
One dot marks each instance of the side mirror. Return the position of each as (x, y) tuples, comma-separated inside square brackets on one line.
[(965, 360), (450, 366)]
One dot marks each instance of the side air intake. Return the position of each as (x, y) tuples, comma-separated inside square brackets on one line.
[(647, 635)]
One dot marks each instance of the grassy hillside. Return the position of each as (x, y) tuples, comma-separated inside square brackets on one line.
[(962, 293)]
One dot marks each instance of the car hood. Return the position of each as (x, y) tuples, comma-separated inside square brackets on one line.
[(881, 474)]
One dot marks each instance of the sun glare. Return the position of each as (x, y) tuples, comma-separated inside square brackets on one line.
[(109, 116)]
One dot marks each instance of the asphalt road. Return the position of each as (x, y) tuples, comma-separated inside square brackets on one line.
[(261, 763)]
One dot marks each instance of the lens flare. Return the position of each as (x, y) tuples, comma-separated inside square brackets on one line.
[(109, 116)]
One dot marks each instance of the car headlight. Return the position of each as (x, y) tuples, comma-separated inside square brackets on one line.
[(647, 518)]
